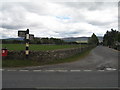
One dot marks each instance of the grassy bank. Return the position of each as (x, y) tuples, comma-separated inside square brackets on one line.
[(24, 63), (18, 47)]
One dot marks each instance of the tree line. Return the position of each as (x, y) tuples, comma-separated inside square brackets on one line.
[(47, 41), (37, 40)]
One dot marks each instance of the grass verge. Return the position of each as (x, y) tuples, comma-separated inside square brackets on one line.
[(24, 63)]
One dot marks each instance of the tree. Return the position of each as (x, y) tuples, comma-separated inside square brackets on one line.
[(111, 38), (93, 40), (119, 37)]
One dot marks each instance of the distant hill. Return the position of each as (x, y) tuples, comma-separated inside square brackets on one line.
[(14, 39), (80, 39), (74, 39)]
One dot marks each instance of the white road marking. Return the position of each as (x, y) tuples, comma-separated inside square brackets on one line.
[(1, 69), (75, 70), (87, 70), (101, 70), (111, 69), (114, 69), (61, 70), (11, 70), (49, 70), (23, 70), (37, 70)]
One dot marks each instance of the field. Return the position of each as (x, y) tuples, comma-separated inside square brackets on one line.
[(18, 47)]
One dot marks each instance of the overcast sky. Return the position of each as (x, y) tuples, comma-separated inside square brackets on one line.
[(58, 19)]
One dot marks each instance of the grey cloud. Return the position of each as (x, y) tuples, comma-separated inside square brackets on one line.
[(10, 26), (32, 7), (72, 33), (87, 5), (90, 5), (103, 5), (13, 17), (95, 6), (66, 33), (119, 4), (97, 23)]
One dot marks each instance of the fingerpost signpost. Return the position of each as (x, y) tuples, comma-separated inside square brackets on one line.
[(27, 37)]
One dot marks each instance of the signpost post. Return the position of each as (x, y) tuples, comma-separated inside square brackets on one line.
[(27, 43), (27, 37)]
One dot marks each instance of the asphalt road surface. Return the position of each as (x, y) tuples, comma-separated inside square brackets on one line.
[(99, 69), (24, 79)]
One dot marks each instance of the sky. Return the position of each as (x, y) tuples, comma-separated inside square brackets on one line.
[(57, 19)]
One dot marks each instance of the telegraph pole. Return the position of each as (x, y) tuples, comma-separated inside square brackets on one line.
[(27, 43)]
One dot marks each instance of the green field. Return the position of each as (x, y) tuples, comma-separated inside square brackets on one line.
[(18, 47)]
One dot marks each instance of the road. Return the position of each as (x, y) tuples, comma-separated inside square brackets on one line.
[(68, 79), (98, 69)]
